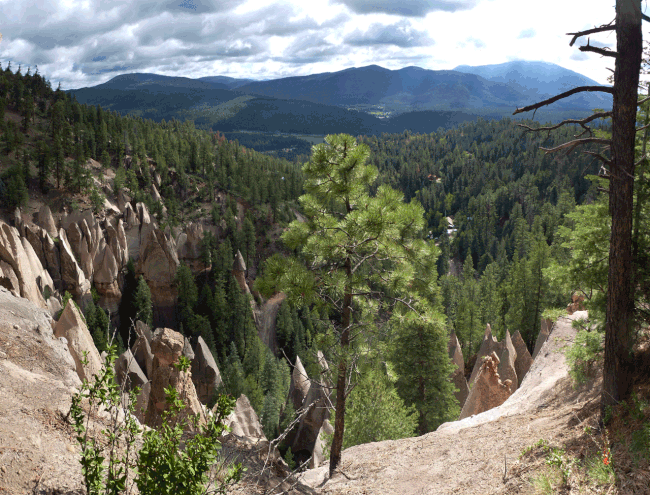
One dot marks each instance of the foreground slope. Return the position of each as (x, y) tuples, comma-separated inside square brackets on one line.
[(467, 457)]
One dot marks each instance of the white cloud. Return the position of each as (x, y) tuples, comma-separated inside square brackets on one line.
[(83, 43)]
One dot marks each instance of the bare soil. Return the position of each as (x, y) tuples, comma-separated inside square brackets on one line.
[(477, 455)]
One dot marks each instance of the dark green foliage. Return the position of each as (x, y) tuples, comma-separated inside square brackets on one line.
[(14, 193), (142, 304), (422, 365), (98, 325)]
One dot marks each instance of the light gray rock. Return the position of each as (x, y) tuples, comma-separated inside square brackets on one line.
[(72, 326), (143, 355), (299, 386), (542, 337), (128, 373), (243, 421), (46, 221), (524, 359), (12, 252), (507, 358), (318, 457), (72, 275), (205, 372)]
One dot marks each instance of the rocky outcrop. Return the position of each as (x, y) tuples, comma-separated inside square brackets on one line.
[(239, 272), (577, 304), (128, 373), (106, 280), (37, 380), (318, 455), (507, 358), (265, 317), (544, 332), (303, 438), (12, 252), (188, 245), (488, 346), (458, 375), (488, 390), (524, 359), (72, 276), (143, 355), (158, 264), (243, 421), (72, 327), (167, 347), (299, 386), (46, 221), (205, 373)]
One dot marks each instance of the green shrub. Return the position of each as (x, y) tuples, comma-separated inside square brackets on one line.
[(583, 354), (164, 464)]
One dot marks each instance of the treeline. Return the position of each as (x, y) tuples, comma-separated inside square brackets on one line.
[(64, 134), (494, 204)]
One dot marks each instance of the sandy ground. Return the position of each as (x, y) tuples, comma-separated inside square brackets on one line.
[(472, 456)]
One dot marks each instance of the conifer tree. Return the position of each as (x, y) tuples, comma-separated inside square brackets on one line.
[(355, 244)]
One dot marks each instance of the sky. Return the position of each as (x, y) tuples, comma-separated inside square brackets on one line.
[(80, 43)]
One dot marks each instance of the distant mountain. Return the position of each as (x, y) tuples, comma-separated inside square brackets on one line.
[(539, 80), (414, 88), (345, 101), (227, 82)]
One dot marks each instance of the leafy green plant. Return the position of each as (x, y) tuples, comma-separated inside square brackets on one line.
[(167, 463), (540, 444), (600, 470), (583, 354), (558, 458), (641, 441)]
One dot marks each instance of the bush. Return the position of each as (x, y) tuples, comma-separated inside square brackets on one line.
[(164, 464), (583, 354)]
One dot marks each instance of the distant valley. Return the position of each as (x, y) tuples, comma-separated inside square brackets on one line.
[(360, 101)]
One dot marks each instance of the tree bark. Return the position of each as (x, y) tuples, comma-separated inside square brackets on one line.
[(620, 285), (341, 382)]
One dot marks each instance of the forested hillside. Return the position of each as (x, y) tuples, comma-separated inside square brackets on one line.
[(494, 204), (505, 200)]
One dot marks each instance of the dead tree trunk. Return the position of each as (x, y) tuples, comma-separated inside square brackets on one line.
[(620, 285)]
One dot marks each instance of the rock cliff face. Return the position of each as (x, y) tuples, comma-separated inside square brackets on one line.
[(167, 347), (72, 327), (37, 378)]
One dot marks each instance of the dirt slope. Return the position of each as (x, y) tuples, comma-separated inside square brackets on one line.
[(468, 456)]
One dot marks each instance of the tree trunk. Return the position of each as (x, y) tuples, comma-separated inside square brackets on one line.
[(339, 423), (620, 284)]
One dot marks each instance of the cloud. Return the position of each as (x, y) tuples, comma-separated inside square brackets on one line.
[(408, 8), (400, 34), (527, 33)]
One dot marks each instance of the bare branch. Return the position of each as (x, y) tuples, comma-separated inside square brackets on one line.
[(577, 142), (642, 128), (645, 17), (601, 51), (580, 89), (595, 116), (646, 99), (606, 27), (603, 159)]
